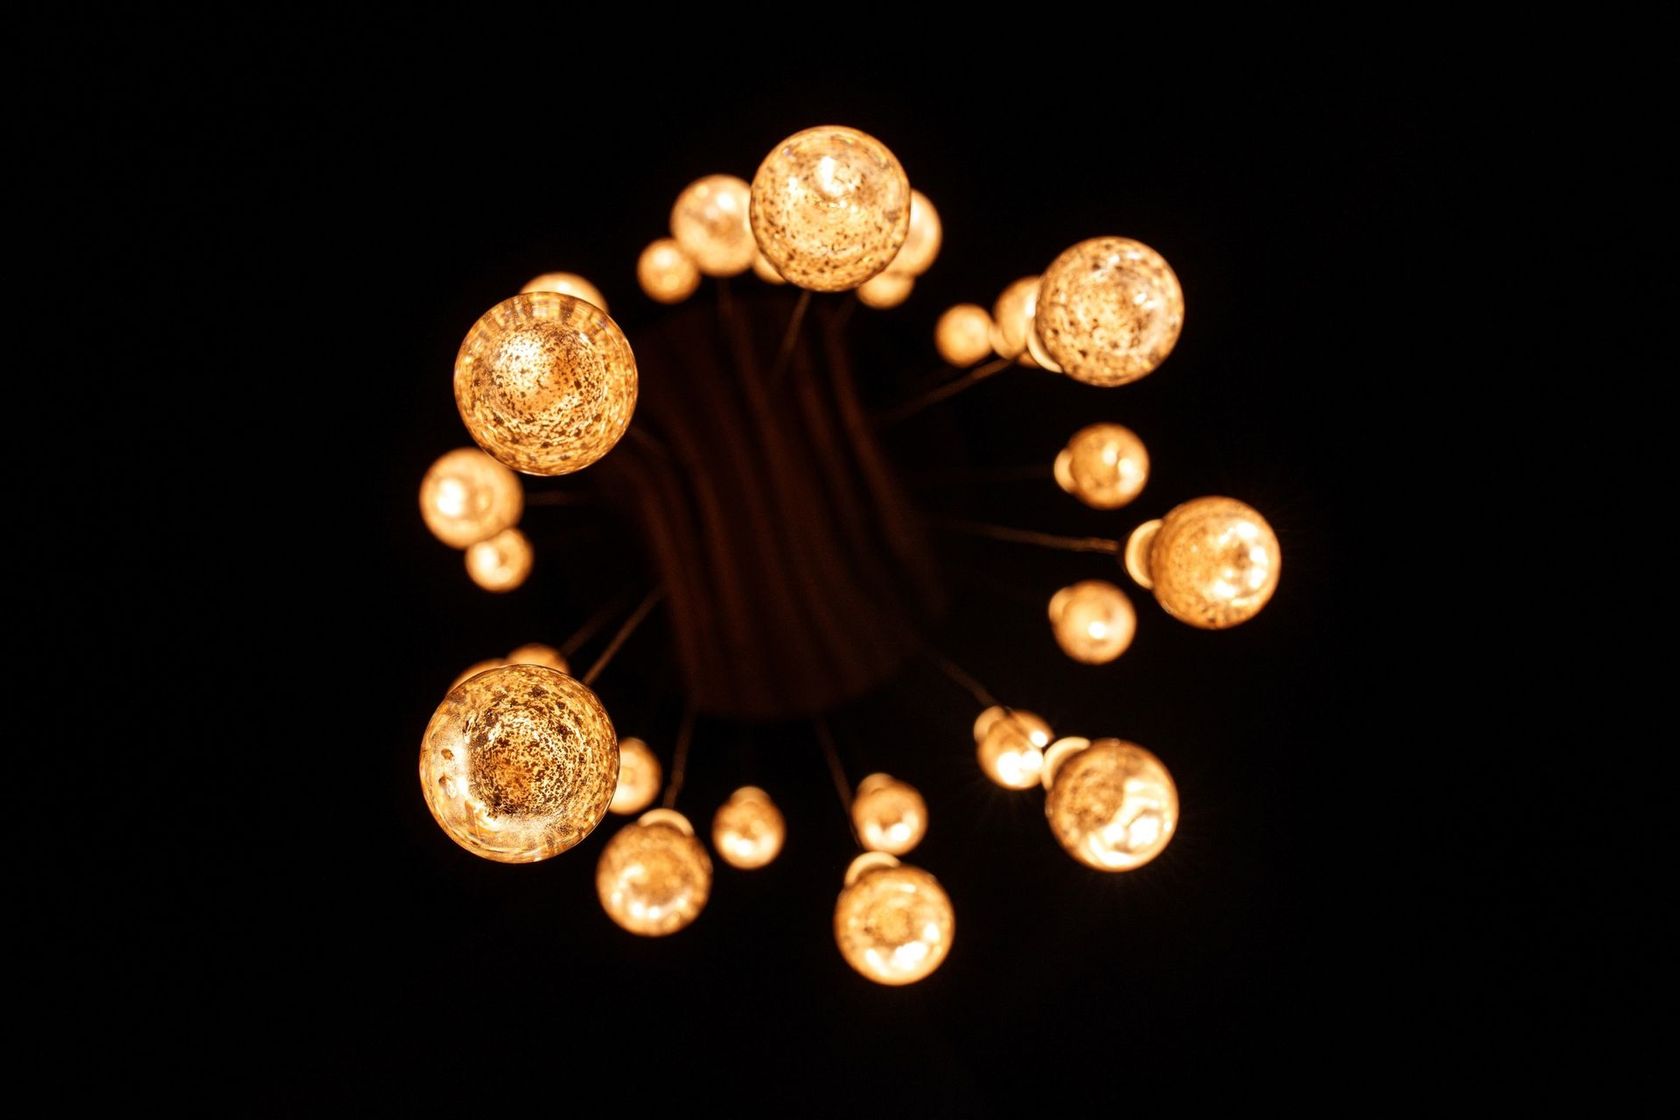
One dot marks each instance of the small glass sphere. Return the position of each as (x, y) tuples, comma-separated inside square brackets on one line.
[(500, 563), (709, 223), (963, 334), (889, 289), (536, 653), (665, 272), (830, 208), (748, 829), (1105, 466), (1112, 805), (890, 815), (654, 876), (518, 763), (1110, 310), (893, 923), (1136, 558), (765, 271), (1011, 747), (567, 284), (1093, 621), (1214, 562), (467, 496), (476, 668), (546, 383), (638, 777), (921, 243), (1010, 316)]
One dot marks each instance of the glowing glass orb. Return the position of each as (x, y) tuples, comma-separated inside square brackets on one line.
[(500, 563), (1093, 621), (1214, 562), (654, 876), (1036, 352), (538, 654), (567, 284), (709, 223), (638, 777), (890, 815), (546, 383), (467, 496), (1010, 316), (830, 208), (1111, 804), (765, 271), (1110, 310), (963, 334), (476, 668), (665, 273), (889, 289), (1105, 466), (893, 923), (518, 763), (1136, 558), (1011, 746), (921, 243), (748, 829)]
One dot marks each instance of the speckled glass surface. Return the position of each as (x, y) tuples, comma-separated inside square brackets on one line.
[(1104, 465), (500, 563), (1113, 806), (894, 925), (889, 814), (1109, 311), (921, 243), (665, 272), (963, 334), (1010, 315), (653, 878), (1093, 621), (567, 284), (1214, 562), (1011, 747), (638, 777), (709, 223), (889, 289), (748, 829), (467, 496)]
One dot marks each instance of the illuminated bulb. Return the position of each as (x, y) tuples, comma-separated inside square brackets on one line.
[(1105, 466), (1010, 316), (1213, 562), (546, 383), (665, 273), (983, 722), (1111, 804), (890, 816), (467, 496), (500, 563), (518, 763), (1093, 621), (1011, 745), (1110, 310), (654, 876), (538, 654), (709, 223), (889, 289), (1136, 558), (476, 668), (748, 829), (567, 284), (893, 923), (963, 334), (921, 243), (765, 271), (1035, 348), (638, 777), (830, 208)]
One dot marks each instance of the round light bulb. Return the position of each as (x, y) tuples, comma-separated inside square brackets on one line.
[(709, 223), (500, 563), (476, 668), (535, 653), (1136, 557), (654, 876), (638, 777), (1093, 621), (1110, 310), (518, 763), (890, 815), (1111, 804), (963, 334), (830, 208), (893, 923), (748, 829), (889, 289), (1011, 747), (567, 284), (467, 496), (1105, 466), (546, 383), (665, 272), (1010, 316), (765, 271), (1214, 562), (921, 243)]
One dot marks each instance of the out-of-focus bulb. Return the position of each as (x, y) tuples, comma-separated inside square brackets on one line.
[(765, 271), (1010, 315), (709, 223), (638, 777), (921, 244), (963, 334), (500, 563), (890, 815), (567, 284), (748, 829), (1093, 621), (535, 653), (518, 763), (1035, 348), (893, 923), (654, 876), (1211, 562), (665, 272), (1010, 743), (1111, 804), (1109, 311), (889, 289), (476, 668), (1105, 466), (467, 496)]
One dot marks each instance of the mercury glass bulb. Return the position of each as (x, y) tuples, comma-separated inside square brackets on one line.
[(963, 334), (830, 207), (1093, 621), (1111, 804), (638, 777), (709, 223), (536, 653), (500, 563), (893, 923), (665, 272), (1214, 562), (518, 763), (1011, 746), (476, 668), (1105, 466), (748, 829), (921, 243), (889, 289), (654, 876), (467, 496), (765, 271), (546, 383), (1010, 315), (1110, 310), (890, 815), (567, 284)]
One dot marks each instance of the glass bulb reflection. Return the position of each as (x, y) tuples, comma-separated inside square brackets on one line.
[(893, 923), (567, 284), (467, 496), (709, 223), (1010, 745), (1103, 465), (638, 777), (1093, 621), (1214, 562), (890, 815), (889, 289), (921, 243), (963, 334), (654, 876), (1010, 315), (665, 272), (1112, 804), (500, 563), (748, 829), (1109, 311)]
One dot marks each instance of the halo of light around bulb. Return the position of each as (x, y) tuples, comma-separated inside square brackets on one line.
[(748, 829), (535, 653), (709, 223), (921, 242), (894, 924), (467, 496), (546, 383), (476, 668), (1215, 562), (1011, 748), (518, 763), (889, 289), (1112, 805), (1093, 621), (830, 208), (654, 877), (765, 271), (1106, 466), (638, 777), (1010, 315), (500, 563), (567, 284), (665, 272), (1110, 310), (890, 816), (963, 334)]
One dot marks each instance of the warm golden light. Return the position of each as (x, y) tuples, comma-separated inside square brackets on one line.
[(1111, 804), (536, 653), (1136, 559), (748, 829), (546, 383), (709, 223), (963, 334), (889, 289), (638, 777), (467, 496), (921, 243), (1010, 743), (500, 563), (1214, 562), (890, 815), (665, 272), (518, 763), (567, 284), (893, 923), (476, 668), (1036, 352), (830, 208), (1010, 316), (1110, 310), (1105, 466), (654, 876), (765, 271), (1093, 621)]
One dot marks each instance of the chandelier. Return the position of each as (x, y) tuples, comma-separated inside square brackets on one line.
[(795, 571)]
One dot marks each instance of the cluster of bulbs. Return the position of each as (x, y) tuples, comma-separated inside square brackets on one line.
[(520, 761)]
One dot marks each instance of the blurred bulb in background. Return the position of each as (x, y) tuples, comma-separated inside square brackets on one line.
[(467, 496), (886, 290), (665, 272), (963, 334), (567, 284), (500, 563), (890, 815), (1010, 315), (1010, 743), (638, 777), (1093, 621), (709, 223), (748, 829), (1103, 465), (921, 243), (535, 653)]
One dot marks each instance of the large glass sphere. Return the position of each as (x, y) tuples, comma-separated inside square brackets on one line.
[(748, 829), (1010, 316), (709, 223), (889, 289), (518, 763), (921, 243), (546, 383), (1214, 562), (535, 653), (1109, 311), (1105, 466), (567, 284), (467, 496), (500, 563), (893, 923), (1011, 746), (1093, 621), (890, 815), (638, 777), (963, 334), (654, 876), (1112, 805), (665, 272), (830, 208)]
